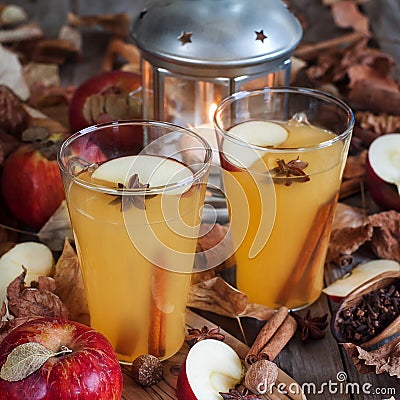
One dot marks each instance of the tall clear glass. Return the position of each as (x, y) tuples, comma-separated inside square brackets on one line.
[(134, 191), (282, 152)]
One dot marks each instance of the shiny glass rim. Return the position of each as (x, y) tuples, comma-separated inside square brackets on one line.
[(328, 98)]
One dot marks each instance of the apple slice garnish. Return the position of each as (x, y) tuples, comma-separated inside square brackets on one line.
[(211, 367), (383, 170), (358, 276), (153, 171), (257, 133)]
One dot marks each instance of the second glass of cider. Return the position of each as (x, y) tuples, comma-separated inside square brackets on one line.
[(282, 153)]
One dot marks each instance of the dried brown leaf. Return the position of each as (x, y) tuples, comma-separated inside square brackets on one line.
[(26, 301), (386, 234), (351, 229), (348, 217), (355, 165), (257, 311), (69, 284), (363, 72), (347, 15), (385, 358), (218, 296), (365, 96), (56, 229)]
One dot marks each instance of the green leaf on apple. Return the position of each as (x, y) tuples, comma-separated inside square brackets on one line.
[(26, 359)]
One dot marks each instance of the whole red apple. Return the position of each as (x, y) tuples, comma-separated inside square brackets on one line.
[(31, 184), (108, 96), (90, 371)]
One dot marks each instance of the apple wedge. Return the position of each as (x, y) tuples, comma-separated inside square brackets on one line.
[(36, 257), (211, 367), (153, 171), (358, 276), (383, 171)]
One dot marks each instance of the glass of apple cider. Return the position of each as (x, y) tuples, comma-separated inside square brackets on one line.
[(134, 191), (282, 153)]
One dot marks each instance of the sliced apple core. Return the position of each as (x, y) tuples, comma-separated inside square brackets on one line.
[(358, 276), (384, 158), (212, 367), (152, 170), (256, 133)]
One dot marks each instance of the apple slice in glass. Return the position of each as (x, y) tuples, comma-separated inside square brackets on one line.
[(152, 170)]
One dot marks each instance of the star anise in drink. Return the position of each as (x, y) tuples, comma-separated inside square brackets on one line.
[(287, 173), (311, 328), (234, 394), (196, 335), (136, 200)]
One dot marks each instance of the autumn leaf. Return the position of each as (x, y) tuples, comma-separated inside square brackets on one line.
[(347, 15), (217, 296), (56, 229), (69, 284), (385, 358), (25, 302)]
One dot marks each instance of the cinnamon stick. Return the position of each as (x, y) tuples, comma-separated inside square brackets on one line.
[(266, 333), (319, 253), (157, 329), (310, 244), (278, 341)]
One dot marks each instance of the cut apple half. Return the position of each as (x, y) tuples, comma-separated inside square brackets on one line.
[(265, 134), (36, 257), (154, 171), (359, 275), (383, 170), (211, 367)]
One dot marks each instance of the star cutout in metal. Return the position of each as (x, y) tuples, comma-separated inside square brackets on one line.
[(260, 35), (185, 37)]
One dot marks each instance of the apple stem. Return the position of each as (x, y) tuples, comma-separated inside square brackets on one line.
[(63, 350)]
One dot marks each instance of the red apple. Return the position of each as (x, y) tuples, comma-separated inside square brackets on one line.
[(87, 107), (383, 171), (31, 184), (210, 367), (90, 371)]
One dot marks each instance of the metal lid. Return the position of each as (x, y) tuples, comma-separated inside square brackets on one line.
[(219, 34)]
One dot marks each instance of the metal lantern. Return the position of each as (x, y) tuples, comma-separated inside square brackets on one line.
[(197, 52)]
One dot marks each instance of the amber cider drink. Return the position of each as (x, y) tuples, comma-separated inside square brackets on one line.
[(282, 180), (136, 247)]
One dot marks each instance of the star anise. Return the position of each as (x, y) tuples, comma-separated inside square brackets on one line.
[(234, 394), (195, 335), (311, 328), (290, 172), (131, 200)]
